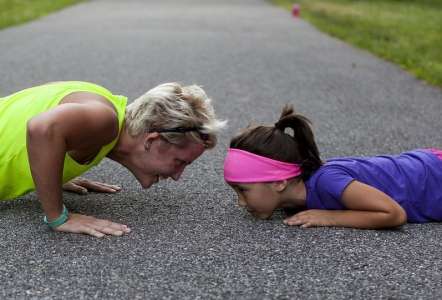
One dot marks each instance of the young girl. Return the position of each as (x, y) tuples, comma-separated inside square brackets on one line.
[(269, 168)]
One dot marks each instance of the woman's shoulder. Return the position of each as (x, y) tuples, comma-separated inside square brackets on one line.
[(79, 85)]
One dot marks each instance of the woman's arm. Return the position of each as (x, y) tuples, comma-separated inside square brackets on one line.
[(368, 208), (50, 135)]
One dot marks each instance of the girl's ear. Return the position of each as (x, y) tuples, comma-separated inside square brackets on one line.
[(279, 186)]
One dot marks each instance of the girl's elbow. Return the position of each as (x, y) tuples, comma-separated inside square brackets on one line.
[(399, 217)]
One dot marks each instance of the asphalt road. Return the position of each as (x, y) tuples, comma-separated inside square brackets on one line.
[(190, 240)]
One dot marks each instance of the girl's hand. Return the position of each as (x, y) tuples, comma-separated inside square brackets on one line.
[(367, 208), (92, 226), (83, 186), (311, 218)]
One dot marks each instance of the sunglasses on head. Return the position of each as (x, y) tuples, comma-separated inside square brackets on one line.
[(203, 136)]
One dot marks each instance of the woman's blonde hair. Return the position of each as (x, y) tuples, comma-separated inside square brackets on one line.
[(177, 112)]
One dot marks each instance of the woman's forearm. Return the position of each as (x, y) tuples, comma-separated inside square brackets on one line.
[(46, 151)]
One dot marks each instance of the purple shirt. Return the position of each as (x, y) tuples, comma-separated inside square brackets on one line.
[(413, 179)]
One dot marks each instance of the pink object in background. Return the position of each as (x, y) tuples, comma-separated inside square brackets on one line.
[(296, 10)]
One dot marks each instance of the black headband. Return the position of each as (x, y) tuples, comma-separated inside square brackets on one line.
[(203, 136)]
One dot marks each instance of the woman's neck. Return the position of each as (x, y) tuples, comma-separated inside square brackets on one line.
[(122, 148)]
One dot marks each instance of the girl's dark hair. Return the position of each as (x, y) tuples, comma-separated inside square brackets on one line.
[(273, 142)]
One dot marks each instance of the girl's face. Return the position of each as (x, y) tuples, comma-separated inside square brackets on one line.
[(260, 199)]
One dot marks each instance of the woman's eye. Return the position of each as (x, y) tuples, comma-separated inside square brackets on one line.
[(180, 162)]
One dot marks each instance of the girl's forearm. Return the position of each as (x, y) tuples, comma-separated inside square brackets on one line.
[(368, 207), (347, 218), (364, 219)]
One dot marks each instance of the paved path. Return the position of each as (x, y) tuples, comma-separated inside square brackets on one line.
[(190, 241)]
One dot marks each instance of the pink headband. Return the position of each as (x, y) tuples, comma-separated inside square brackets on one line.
[(245, 167)]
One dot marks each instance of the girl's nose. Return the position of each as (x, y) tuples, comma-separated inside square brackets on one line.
[(241, 202)]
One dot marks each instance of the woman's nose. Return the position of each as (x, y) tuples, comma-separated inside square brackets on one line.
[(177, 175)]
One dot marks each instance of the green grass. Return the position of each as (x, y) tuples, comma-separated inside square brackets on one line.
[(406, 32), (13, 12)]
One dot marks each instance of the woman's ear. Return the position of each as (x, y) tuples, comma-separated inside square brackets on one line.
[(149, 138), (279, 186)]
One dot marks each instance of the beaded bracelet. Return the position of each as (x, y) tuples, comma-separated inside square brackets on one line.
[(59, 221)]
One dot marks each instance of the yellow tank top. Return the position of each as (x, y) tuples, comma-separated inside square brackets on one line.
[(17, 109)]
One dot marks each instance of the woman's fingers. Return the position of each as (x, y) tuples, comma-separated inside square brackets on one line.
[(82, 186), (92, 226), (108, 231), (72, 187), (99, 186), (109, 227), (91, 231)]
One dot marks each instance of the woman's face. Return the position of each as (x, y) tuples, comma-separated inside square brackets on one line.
[(158, 159)]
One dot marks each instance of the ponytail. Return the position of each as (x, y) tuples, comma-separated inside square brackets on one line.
[(274, 143), (304, 137)]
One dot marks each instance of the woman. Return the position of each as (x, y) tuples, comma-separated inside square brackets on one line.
[(55, 132)]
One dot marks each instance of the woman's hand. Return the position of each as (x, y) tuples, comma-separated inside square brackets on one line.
[(312, 218), (83, 186), (92, 226)]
